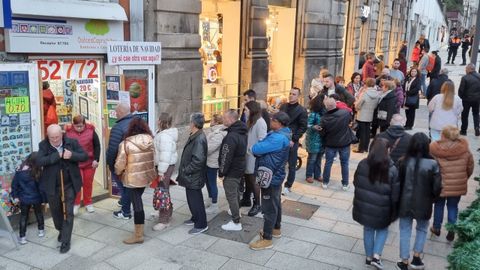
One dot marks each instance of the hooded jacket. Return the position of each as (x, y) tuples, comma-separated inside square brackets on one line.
[(232, 157), (456, 165), (392, 134), (192, 173), (135, 161), (272, 152), (215, 135), (26, 188), (387, 107), (255, 134), (367, 104), (165, 143), (116, 136)]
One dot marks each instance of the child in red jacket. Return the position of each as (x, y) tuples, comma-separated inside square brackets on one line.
[(416, 54)]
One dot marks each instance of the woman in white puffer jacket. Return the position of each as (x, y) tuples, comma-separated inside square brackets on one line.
[(165, 143)]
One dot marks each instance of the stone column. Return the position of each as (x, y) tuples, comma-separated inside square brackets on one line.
[(319, 40), (178, 88), (253, 54)]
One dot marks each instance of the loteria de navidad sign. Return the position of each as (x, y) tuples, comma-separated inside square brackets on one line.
[(62, 35), (134, 53)]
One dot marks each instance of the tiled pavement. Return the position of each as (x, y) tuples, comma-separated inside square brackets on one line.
[(330, 239)]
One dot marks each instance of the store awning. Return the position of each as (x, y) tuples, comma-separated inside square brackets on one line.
[(69, 9)]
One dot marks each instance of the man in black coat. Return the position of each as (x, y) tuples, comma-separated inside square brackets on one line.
[(398, 139), (117, 135), (330, 87), (298, 125), (192, 173), (469, 92), (436, 84), (232, 164), (337, 137), (59, 156)]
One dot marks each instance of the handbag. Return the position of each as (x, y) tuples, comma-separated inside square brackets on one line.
[(411, 101), (264, 176), (161, 198)]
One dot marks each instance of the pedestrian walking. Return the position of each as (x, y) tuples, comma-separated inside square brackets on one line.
[(337, 137), (412, 99), (135, 164), (215, 135), (469, 92), (445, 109), (466, 43), (165, 143), (415, 58), (272, 155), (232, 165), (398, 139), (456, 166), (61, 179), (313, 140), (377, 191), (88, 139), (117, 134), (192, 174), (26, 192), (453, 45), (421, 184), (298, 125), (366, 105), (257, 130), (386, 105)]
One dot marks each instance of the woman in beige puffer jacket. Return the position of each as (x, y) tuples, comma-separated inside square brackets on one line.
[(135, 164), (456, 166)]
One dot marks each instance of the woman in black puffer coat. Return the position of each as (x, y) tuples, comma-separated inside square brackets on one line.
[(377, 190)]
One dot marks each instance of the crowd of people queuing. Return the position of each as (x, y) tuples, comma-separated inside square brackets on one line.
[(403, 177)]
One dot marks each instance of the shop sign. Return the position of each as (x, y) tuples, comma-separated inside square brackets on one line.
[(15, 105), (134, 53), (62, 36)]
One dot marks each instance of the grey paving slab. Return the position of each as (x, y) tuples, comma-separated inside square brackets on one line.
[(286, 261), (194, 258), (240, 251), (106, 253), (335, 214), (288, 229), (325, 238), (348, 229), (234, 264), (319, 223), (156, 264), (250, 228), (325, 201), (294, 247), (200, 242), (109, 204), (37, 256), (85, 228), (104, 217), (81, 263), (111, 236), (338, 257), (298, 209), (176, 235), (7, 264), (138, 254)]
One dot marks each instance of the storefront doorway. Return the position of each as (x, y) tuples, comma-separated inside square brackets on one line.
[(220, 35)]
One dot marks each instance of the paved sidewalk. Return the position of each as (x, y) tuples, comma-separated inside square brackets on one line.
[(329, 240)]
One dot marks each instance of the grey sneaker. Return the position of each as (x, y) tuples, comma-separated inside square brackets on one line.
[(377, 263), (188, 222), (121, 215), (41, 233), (195, 231)]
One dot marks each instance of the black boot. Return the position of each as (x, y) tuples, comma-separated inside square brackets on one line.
[(246, 202), (477, 132), (256, 208)]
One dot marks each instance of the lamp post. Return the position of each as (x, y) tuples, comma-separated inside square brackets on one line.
[(476, 39)]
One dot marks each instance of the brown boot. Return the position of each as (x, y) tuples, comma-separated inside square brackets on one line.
[(277, 233), (137, 237), (261, 244)]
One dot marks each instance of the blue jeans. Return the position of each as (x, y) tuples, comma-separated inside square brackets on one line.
[(212, 184), (292, 165), (314, 163), (125, 199), (330, 152), (374, 240), (435, 134), (452, 209), (406, 233), (423, 81)]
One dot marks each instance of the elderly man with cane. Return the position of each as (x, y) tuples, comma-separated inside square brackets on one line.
[(61, 180)]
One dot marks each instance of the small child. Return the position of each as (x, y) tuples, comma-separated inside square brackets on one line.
[(25, 190)]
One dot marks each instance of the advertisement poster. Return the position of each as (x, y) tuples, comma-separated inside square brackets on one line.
[(112, 115), (136, 83), (15, 131)]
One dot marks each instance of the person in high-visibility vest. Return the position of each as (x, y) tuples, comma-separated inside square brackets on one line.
[(453, 45)]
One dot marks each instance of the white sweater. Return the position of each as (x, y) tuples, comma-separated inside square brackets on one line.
[(441, 117), (165, 143)]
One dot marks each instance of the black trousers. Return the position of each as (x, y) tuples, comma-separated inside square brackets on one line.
[(64, 226), (136, 197), (252, 186), (24, 211), (464, 56), (363, 134), (410, 113), (452, 53), (474, 105), (197, 207), (272, 210)]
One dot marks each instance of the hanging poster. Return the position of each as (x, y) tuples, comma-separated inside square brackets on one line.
[(112, 115)]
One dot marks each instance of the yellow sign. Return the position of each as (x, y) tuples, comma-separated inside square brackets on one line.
[(15, 105)]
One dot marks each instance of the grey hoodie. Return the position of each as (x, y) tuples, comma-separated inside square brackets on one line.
[(367, 104)]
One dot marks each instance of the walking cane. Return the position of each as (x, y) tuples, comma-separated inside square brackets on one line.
[(64, 207)]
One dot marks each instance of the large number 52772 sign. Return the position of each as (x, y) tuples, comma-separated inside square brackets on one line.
[(68, 69)]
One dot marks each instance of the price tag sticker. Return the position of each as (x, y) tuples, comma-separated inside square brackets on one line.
[(14, 105)]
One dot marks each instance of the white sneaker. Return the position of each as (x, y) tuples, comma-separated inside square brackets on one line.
[(22, 240), (232, 226), (212, 209), (345, 188), (230, 212), (41, 233), (286, 191), (160, 226), (155, 214), (90, 208), (75, 209), (325, 186)]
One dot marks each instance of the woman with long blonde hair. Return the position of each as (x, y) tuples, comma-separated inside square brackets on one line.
[(445, 109)]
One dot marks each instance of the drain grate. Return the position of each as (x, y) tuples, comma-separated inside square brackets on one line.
[(251, 226), (298, 209)]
